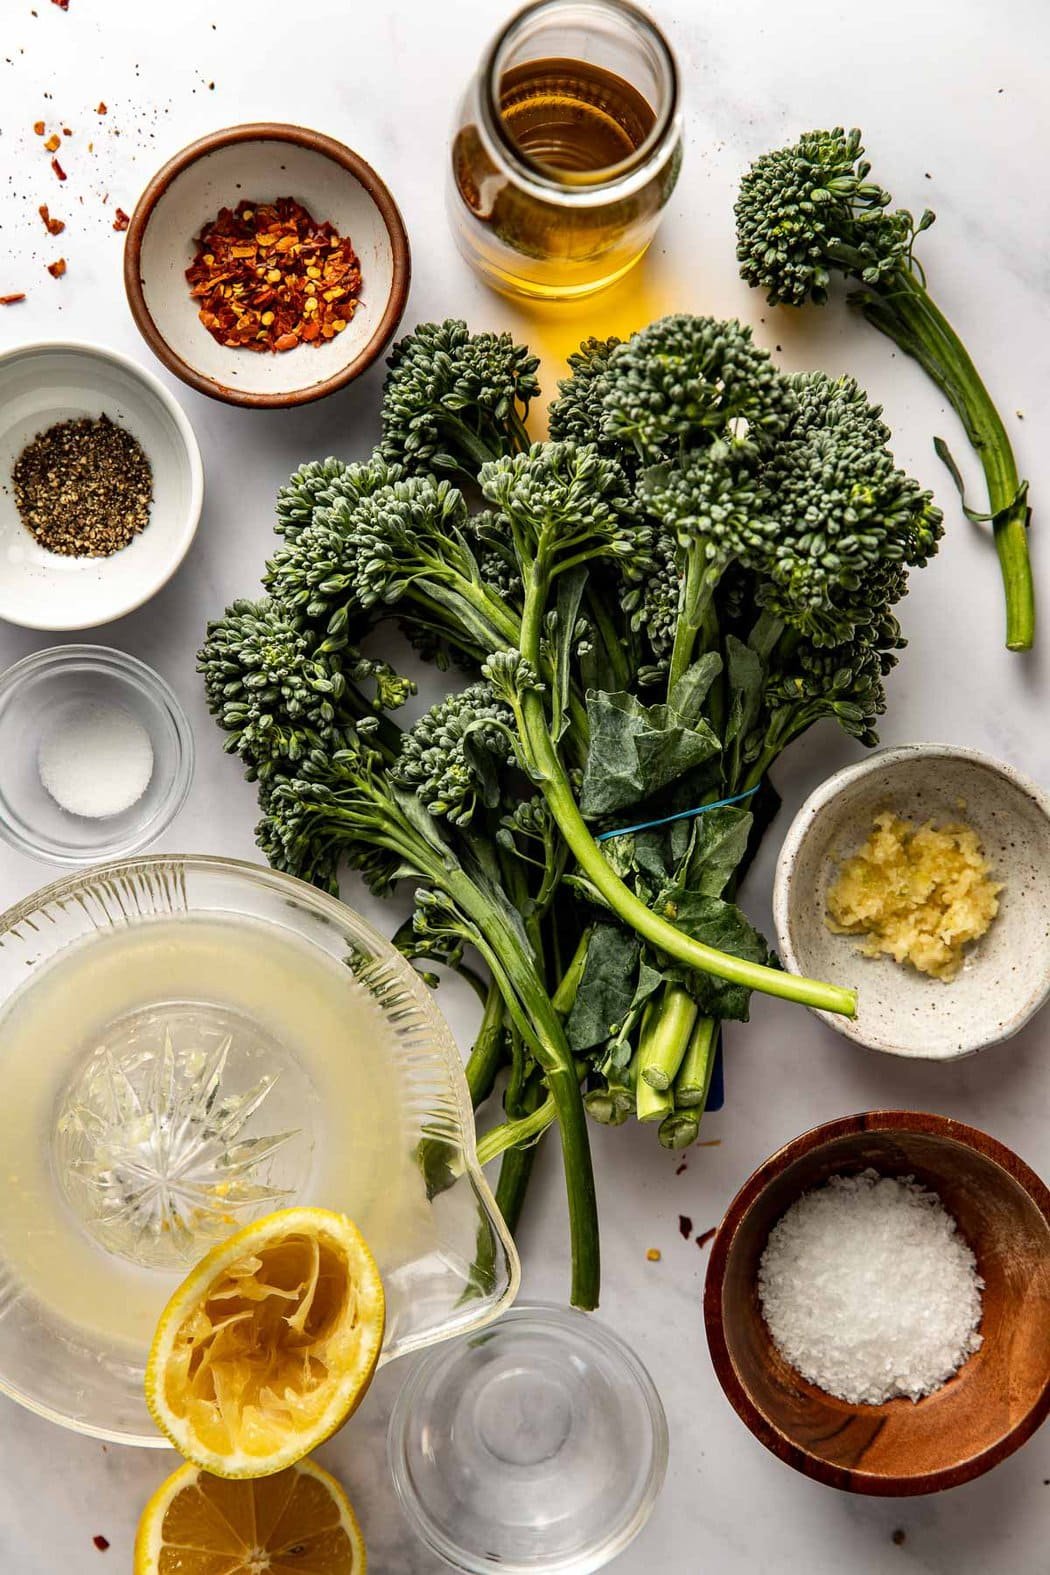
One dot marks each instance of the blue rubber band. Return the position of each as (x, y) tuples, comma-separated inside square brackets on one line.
[(685, 814)]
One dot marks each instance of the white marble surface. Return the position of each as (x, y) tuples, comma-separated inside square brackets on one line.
[(953, 100)]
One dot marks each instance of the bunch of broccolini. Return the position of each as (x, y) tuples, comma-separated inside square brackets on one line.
[(810, 210), (646, 609)]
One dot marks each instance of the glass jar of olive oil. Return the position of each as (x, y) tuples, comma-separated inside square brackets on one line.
[(566, 148)]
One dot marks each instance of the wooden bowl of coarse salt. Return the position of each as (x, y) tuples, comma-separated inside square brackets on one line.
[(898, 1254)]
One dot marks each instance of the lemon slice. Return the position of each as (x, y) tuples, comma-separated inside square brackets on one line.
[(268, 1344), (299, 1522)]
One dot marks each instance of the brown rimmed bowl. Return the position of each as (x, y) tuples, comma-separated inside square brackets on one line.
[(998, 1398), (262, 162)]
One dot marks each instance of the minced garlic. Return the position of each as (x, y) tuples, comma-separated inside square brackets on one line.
[(918, 893)]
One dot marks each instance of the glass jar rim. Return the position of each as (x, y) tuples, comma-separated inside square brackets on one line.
[(610, 175)]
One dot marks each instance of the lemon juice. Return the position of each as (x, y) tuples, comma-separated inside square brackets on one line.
[(165, 1084)]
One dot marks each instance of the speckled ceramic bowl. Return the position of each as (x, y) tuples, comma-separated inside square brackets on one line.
[(1006, 977), (263, 161)]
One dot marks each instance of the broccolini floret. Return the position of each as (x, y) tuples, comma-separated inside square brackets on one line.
[(847, 522), (565, 503), (270, 691), (451, 758), (578, 414), (279, 696), (404, 542), (453, 399), (684, 376), (809, 211), (305, 491)]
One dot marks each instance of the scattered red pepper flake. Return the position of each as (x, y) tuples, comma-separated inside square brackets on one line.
[(53, 143), (63, 5), (57, 268), (101, 110), (682, 1167), (13, 299), (268, 276), (121, 220), (66, 132), (685, 1226), (59, 171), (39, 127), (705, 1236), (53, 226), (101, 1542)]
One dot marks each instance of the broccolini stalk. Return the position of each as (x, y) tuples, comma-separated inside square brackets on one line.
[(665, 1046), (809, 210), (693, 1080)]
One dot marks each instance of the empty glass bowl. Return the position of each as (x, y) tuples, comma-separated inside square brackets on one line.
[(539, 1445), (65, 690)]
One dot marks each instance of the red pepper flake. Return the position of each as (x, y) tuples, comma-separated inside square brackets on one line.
[(53, 226), (121, 220), (57, 268), (66, 132), (682, 1167), (101, 1542), (39, 127), (705, 1236), (12, 300), (63, 5), (59, 171), (685, 1226), (102, 110), (53, 143), (268, 276)]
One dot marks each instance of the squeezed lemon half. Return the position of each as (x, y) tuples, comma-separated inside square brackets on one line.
[(300, 1520), (268, 1345)]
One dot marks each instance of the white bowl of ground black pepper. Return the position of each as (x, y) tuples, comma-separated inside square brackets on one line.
[(96, 754), (101, 486)]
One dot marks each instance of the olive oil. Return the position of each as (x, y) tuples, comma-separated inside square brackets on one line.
[(561, 167), (573, 118)]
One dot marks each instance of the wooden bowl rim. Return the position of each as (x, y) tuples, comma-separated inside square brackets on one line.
[(317, 142), (857, 1480)]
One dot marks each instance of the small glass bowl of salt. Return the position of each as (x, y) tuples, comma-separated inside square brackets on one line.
[(96, 754)]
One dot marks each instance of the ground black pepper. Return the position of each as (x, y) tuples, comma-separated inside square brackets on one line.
[(83, 488)]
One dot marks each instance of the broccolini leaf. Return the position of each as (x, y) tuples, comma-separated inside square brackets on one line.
[(636, 750), (719, 844), (606, 987), (692, 689)]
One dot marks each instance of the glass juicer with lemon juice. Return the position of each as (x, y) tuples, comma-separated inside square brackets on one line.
[(185, 1069), (105, 1205)]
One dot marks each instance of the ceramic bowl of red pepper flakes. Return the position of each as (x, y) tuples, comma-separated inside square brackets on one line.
[(267, 265)]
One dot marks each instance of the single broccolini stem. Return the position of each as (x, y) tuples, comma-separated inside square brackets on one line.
[(694, 1075), (661, 1054), (514, 1175), (904, 311), (651, 1104), (486, 1057)]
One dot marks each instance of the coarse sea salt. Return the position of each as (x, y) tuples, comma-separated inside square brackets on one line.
[(869, 1291)]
